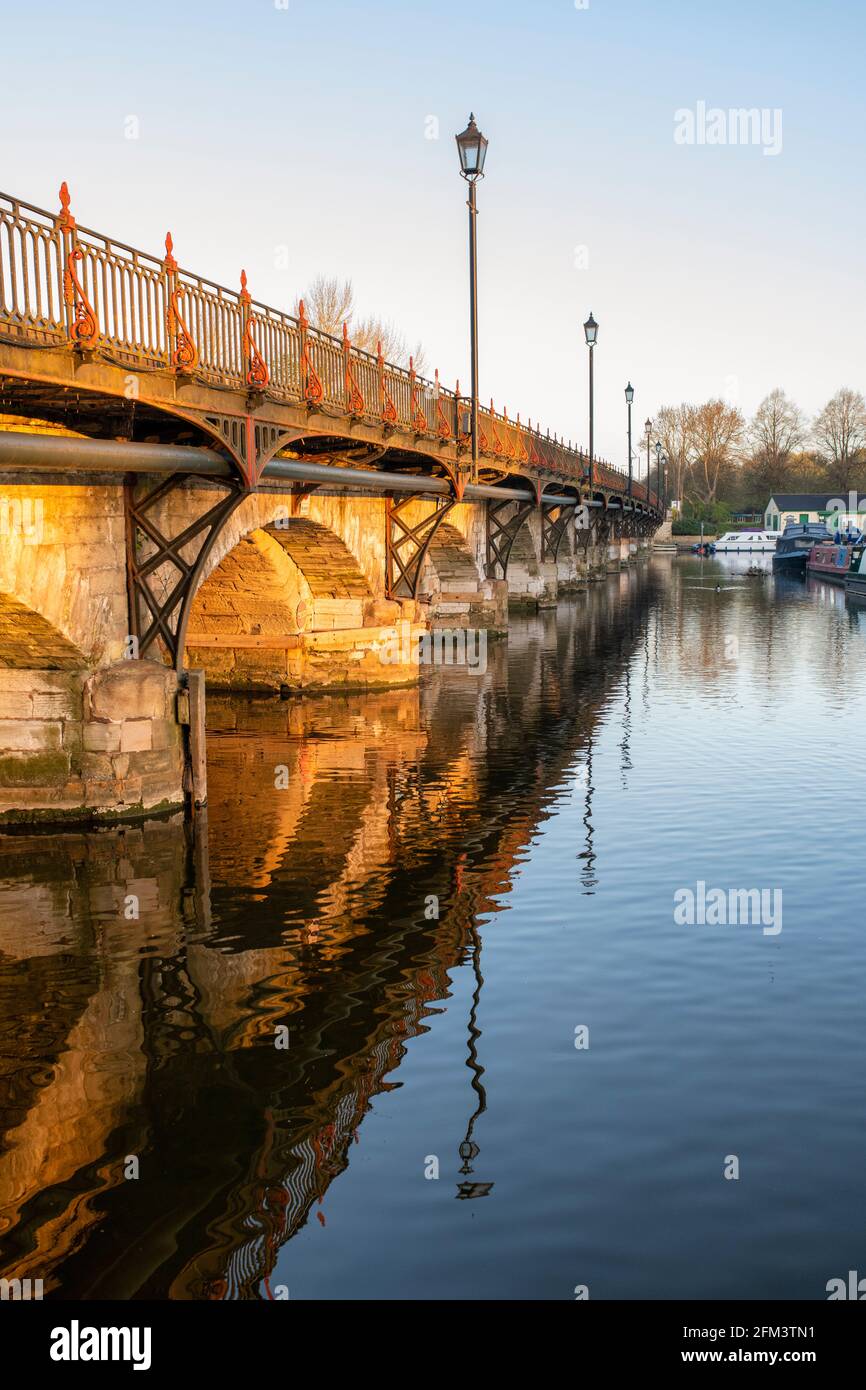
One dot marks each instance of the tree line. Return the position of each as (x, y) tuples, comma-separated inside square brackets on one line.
[(717, 457), (717, 460)]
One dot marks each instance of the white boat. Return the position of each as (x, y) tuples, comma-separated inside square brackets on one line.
[(747, 541)]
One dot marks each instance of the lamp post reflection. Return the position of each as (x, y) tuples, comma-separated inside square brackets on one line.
[(469, 1150)]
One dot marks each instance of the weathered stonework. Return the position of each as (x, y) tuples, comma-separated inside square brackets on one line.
[(61, 557), (348, 659), (80, 744)]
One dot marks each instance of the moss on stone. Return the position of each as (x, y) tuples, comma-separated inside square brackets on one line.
[(49, 769), (85, 816)]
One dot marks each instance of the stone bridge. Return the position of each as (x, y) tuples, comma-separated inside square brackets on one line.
[(191, 481)]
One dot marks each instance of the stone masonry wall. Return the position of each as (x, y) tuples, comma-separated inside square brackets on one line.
[(62, 556), (75, 744)]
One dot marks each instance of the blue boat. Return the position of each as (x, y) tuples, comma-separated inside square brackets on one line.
[(796, 544)]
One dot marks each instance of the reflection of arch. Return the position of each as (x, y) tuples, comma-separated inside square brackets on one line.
[(296, 1112), (450, 558), (29, 642)]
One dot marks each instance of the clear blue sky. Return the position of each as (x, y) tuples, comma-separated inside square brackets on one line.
[(712, 270)]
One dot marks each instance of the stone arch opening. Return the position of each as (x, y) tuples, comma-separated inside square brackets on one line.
[(452, 590), (288, 607), (450, 566), (30, 642), (290, 577), (524, 568)]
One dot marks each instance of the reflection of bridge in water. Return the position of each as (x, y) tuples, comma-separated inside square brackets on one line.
[(304, 907)]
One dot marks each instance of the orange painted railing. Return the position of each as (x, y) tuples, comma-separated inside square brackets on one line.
[(64, 284)]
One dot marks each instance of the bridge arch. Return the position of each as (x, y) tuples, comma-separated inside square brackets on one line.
[(281, 579), (28, 641), (287, 606), (524, 561), (59, 548), (450, 565)]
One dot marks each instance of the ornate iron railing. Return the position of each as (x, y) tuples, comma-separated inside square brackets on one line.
[(64, 284)]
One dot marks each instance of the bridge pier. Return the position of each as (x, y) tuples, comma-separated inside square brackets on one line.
[(618, 553), (451, 586), (78, 744), (549, 595), (597, 561)]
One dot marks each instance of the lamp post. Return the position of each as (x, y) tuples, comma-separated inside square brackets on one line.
[(658, 453), (472, 148), (629, 397), (649, 430), (590, 329)]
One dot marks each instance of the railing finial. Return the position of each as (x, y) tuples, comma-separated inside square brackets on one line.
[(354, 397), (169, 263), (245, 294), (65, 217), (419, 417)]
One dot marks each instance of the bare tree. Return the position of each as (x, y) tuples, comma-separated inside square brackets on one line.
[(329, 303), (369, 332), (675, 430), (840, 435), (419, 357), (717, 432), (775, 434)]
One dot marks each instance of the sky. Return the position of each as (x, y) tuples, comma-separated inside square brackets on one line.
[(316, 136)]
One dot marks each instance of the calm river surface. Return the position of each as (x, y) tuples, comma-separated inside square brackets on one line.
[(674, 727)]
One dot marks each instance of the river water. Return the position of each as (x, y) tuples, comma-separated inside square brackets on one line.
[(413, 1011)]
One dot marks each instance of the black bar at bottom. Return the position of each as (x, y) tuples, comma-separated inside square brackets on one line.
[(60, 1338)]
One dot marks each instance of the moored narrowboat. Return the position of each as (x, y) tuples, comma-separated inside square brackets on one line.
[(830, 561), (796, 544)]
